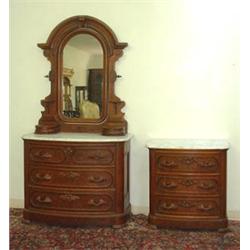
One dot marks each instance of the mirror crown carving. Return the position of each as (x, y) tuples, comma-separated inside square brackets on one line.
[(112, 122)]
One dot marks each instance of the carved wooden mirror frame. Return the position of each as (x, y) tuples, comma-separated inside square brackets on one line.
[(113, 122)]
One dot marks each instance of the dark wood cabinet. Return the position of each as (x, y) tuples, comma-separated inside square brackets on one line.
[(188, 187), (95, 83), (77, 182)]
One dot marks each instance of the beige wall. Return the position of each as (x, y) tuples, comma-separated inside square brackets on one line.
[(180, 76)]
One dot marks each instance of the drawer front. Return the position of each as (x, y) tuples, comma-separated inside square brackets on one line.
[(72, 154), (94, 178), (188, 184), (93, 156), (167, 162), (185, 206), (47, 154), (73, 201)]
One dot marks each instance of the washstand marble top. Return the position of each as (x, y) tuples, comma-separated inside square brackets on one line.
[(77, 137), (187, 144)]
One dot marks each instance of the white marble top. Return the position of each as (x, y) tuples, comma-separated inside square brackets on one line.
[(187, 144), (77, 137)]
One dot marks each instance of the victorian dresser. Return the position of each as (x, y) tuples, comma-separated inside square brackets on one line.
[(188, 183), (77, 166), (77, 178)]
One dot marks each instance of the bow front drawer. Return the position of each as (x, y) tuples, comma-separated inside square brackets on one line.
[(73, 154), (73, 201), (187, 162), (185, 206), (73, 178), (188, 184), (93, 156), (47, 154)]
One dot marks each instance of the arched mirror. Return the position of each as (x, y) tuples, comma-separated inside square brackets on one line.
[(83, 93), (82, 51)]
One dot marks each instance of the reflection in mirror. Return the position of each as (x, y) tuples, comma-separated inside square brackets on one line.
[(83, 78)]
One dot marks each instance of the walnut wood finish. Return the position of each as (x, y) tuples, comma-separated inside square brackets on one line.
[(112, 121), (188, 188), (77, 183)]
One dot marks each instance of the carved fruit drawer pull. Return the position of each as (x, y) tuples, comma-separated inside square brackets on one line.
[(171, 206), (45, 177), (186, 204), (169, 185), (187, 182), (70, 175), (42, 154), (203, 207), (68, 151), (96, 179), (188, 160), (96, 157), (206, 185), (207, 164), (96, 203), (44, 199), (69, 197), (168, 164)]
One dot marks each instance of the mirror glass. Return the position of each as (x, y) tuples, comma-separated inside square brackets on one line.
[(82, 81)]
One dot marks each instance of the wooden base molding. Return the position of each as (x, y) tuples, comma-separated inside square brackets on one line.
[(77, 219), (188, 222), (135, 209)]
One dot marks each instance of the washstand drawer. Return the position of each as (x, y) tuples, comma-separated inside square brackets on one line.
[(188, 184), (47, 154), (187, 162), (188, 206), (78, 178), (72, 154), (93, 156), (72, 201)]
